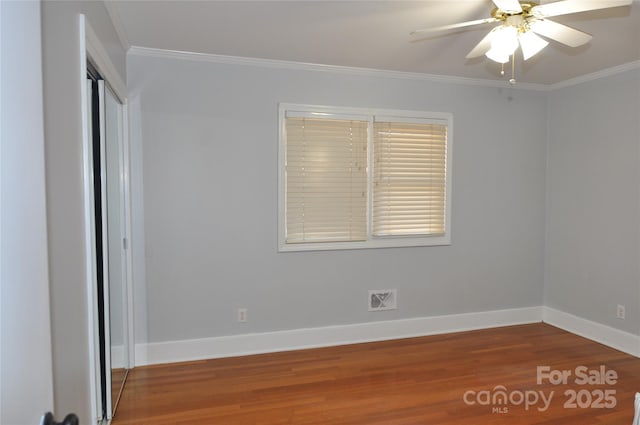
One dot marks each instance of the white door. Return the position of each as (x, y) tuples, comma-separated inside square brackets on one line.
[(116, 204), (26, 383), (108, 217)]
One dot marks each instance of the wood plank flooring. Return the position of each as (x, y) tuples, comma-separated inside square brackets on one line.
[(442, 379)]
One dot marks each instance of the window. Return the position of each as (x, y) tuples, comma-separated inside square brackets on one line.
[(352, 178)]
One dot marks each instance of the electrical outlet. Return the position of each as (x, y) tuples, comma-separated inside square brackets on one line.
[(621, 312), (242, 315)]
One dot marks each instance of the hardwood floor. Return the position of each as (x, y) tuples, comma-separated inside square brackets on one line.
[(443, 379), (118, 377)]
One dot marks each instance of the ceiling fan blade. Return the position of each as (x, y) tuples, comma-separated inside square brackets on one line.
[(483, 47), (566, 7), (454, 26), (509, 6), (560, 33)]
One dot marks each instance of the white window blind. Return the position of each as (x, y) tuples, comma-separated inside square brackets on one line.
[(352, 178), (326, 180), (409, 179)]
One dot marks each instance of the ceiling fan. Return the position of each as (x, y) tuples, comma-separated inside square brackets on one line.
[(521, 23)]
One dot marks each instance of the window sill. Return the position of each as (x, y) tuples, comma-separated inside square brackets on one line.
[(371, 244)]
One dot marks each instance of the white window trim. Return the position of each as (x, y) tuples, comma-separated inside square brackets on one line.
[(367, 113)]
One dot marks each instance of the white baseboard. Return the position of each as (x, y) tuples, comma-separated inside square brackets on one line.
[(297, 339), (614, 338), (239, 345)]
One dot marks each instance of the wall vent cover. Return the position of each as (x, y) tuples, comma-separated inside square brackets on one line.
[(382, 299)]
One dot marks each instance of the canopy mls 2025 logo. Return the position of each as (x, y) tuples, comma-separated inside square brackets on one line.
[(588, 391)]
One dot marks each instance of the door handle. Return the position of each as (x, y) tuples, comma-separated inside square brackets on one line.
[(70, 419)]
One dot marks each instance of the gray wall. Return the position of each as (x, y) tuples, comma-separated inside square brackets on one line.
[(26, 388), (209, 150), (593, 214), (63, 134)]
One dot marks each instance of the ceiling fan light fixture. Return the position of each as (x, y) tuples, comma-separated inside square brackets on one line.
[(522, 22), (503, 44), (496, 57), (531, 44)]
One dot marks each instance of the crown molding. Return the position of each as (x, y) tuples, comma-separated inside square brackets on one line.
[(301, 66), (370, 72), (595, 75)]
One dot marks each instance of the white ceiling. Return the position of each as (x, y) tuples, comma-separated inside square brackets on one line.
[(370, 34)]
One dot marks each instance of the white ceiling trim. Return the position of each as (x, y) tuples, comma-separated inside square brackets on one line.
[(596, 75), (368, 72), (300, 66)]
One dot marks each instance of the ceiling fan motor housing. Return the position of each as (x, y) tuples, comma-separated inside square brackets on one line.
[(525, 12)]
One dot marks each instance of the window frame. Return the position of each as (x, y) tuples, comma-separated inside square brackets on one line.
[(369, 115)]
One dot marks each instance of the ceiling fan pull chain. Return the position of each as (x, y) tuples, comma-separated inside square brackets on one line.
[(512, 81), (525, 24)]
